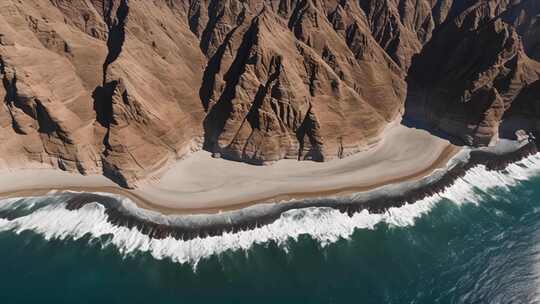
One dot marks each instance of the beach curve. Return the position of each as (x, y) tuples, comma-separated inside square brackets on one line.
[(202, 184)]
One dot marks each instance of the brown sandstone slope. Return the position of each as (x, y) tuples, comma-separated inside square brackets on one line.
[(120, 87), (98, 86), (293, 82)]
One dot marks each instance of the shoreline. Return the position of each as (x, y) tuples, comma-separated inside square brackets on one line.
[(143, 203), (203, 184), (127, 213), (379, 200), (200, 184), (441, 161), (204, 196)]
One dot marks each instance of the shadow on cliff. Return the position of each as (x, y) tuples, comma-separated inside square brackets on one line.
[(216, 119), (421, 108), (417, 109), (414, 122)]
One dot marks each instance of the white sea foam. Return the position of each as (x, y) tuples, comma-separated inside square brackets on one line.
[(326, 225), (3, 222)]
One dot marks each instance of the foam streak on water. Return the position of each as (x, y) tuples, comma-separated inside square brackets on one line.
[(326, 225)]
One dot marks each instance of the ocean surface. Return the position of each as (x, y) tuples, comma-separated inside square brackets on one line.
[(478, 242)]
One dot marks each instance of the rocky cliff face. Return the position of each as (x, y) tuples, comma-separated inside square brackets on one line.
[(299, 80), (120, 87), (98, 86), (473, 70)]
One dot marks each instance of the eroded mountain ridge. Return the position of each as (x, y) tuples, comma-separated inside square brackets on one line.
[(121, 87)]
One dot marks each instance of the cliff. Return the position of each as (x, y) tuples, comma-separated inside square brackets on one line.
[(121, 87), (474, 70)]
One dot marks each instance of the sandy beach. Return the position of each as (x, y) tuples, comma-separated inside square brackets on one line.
[(202, 184)]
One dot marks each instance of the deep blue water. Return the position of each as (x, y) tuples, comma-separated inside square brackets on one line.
[(488, 252)]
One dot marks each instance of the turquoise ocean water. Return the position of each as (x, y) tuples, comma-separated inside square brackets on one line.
[(478, 243)]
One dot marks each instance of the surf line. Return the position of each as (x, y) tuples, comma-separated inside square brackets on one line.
[(121, 211)]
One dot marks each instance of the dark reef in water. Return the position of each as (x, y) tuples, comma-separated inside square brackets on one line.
[(379, 203)]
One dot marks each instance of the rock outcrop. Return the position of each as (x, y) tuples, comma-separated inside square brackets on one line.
[(121, 87), (471, 72), (98, 86), (525, 17), (294, 82)]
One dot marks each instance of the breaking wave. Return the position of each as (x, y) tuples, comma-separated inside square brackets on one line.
[(50, 218)]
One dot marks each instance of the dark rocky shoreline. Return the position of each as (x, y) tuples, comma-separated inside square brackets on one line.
[(119, 215)]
